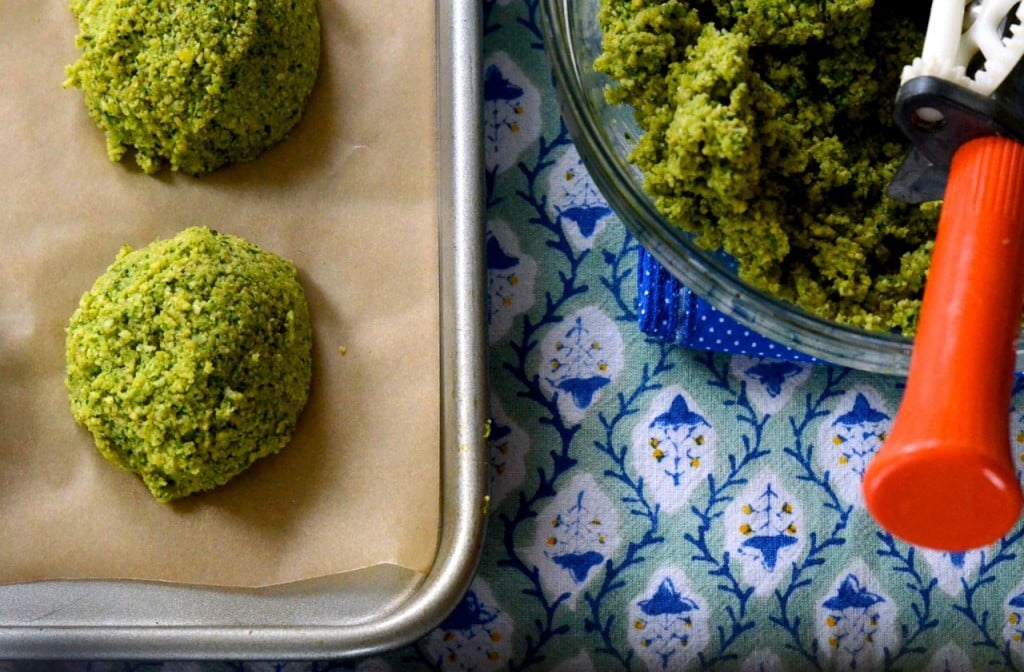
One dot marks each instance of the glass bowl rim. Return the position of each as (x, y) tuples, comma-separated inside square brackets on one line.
[(785, 323)]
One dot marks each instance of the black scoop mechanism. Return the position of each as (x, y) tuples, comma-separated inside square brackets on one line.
[(938, 117)]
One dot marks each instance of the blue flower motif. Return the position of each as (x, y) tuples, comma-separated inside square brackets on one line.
[(672, 448), (496, 87), (577, 529), (678, 415), (859, 431), (764, 531), (476, 636), (952, 570), (511, 112), (850, 440), (574, 201), (773, 375), (851, 595), (499, 432), (1013, 630), (579, 364), (770, 526), (578, 564), (576, 533), (586, 217), (853, 621), (497, 258), (666, 600), (668, 629), (508, 445), (504, 109), (769, 383), (675, 437), (511, 276), (469, 613), (502, 279), (582, 389), (769, 546), (862, 413)]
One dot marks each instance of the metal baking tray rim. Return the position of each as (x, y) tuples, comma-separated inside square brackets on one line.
[(57, 619)]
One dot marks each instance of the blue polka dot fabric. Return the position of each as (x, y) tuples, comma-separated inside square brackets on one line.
[(670, 311)]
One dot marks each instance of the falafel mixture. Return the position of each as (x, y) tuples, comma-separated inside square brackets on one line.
[(768, 133)]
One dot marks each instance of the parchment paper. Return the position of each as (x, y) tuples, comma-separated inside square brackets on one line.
[(350, 197)]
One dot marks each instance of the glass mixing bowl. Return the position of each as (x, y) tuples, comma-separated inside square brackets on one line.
[(605, 134)]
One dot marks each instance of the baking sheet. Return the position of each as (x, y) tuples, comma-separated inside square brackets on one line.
[(351, 197)]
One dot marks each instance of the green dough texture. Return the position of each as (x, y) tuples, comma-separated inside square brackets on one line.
[(768, 132), (195, 84), (189, 359)]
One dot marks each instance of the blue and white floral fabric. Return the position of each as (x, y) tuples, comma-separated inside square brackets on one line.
[(659, 508)]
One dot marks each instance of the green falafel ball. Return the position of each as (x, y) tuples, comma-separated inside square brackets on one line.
[(189, 359), (195, 84)]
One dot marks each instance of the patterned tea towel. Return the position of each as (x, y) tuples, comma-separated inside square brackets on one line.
[(669, 311)]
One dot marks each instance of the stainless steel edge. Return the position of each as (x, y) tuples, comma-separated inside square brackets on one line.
[(64, 620)]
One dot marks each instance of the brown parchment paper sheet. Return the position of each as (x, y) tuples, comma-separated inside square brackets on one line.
[(350, 197)]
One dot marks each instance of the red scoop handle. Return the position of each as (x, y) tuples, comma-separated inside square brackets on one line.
[(944, 478)]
